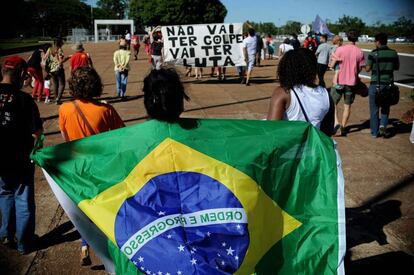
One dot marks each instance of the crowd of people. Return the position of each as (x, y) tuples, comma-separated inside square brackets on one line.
[(301, 95)]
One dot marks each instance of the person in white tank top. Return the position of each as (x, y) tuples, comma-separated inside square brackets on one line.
[(298, 97)]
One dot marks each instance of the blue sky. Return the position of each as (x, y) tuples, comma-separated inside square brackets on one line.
[(305, 11)]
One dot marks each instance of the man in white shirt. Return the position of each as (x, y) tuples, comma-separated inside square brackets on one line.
[(323, 53), (249, 50)]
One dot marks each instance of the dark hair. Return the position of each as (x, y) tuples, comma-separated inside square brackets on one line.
[(252, 32), (353, 35), (297, 67), (382, 38), (164, 94), (286, 41), (85, 83), (325, 37)]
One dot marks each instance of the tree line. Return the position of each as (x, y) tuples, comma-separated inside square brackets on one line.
[(35, 18)]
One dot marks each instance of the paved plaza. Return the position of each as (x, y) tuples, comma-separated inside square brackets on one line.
[(379, 173)]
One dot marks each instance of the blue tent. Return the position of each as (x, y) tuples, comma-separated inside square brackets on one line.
[(319, 26)]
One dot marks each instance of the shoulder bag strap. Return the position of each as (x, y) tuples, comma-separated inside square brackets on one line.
[(83, 117), (378, 69), (301, 106)]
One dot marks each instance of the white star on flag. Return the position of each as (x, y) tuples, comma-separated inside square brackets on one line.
[(169, 236), (237, 258), (181, 248), (208, 234), (167, 273), (142, 268), (230, 251), (140, 259), (179, 272), (222, 262), (134, 262), (193, 261), (148, 272), (161, 213), (223, 244), (159, 273), (238, 226)]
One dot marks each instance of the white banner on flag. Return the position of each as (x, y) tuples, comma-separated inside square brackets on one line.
[(204, 45)]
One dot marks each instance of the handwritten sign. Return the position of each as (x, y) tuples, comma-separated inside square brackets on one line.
[(204, 45)]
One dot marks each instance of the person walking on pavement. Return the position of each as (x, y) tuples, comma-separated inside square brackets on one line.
[(35, 70), (387, 61), (135, 45), (20, 127), (80, 58), (323, 53), (249, 49), (86, 117), (56, 58), (121, 60), (351, 60)]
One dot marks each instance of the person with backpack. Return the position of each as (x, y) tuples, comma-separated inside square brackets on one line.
[(382, 61)]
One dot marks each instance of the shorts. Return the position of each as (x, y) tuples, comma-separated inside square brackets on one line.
[(349, 95), (250, 62)]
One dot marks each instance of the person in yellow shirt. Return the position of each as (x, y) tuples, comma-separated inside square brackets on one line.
[(121, 60)]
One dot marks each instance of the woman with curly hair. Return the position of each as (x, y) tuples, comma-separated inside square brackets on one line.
[(298, 97), (85, 116)]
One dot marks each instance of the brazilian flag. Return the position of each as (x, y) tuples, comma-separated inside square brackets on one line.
[(207, 196)]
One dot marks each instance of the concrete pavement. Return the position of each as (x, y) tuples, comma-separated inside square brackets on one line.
[(379, 173)]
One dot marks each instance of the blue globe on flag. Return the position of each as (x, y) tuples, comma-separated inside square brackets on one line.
[(183, 223)]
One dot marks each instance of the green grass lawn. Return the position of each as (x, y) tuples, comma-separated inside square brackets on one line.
[(17, 43)]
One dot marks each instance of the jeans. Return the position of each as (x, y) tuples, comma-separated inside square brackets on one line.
[(374, 110), (17, 207), (121, 82)]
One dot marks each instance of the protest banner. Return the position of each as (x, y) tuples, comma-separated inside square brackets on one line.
[(184, 200), (204, 45)]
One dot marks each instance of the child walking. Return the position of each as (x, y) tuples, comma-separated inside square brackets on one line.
[(46, 89)]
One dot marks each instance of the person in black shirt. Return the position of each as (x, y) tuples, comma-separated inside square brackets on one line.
[(20, 126)]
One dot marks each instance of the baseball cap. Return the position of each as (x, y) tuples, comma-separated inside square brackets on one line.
[(15, 63)]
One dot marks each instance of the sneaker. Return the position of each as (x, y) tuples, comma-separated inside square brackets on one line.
[(8, 242), (247, 84), (85, 258), (382, 131)]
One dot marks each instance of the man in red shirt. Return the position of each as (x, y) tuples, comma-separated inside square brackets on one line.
[(80, 58)]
